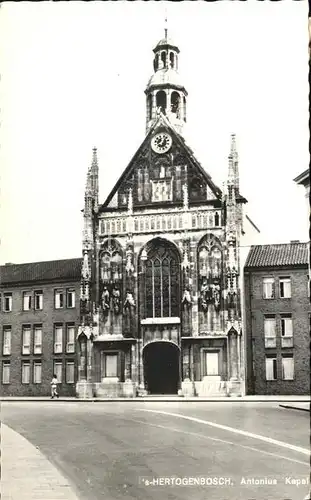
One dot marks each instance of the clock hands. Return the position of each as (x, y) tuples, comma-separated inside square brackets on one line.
[(161, 143)]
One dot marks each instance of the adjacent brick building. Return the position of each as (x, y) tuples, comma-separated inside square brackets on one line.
[(40, 307), (277, 312)]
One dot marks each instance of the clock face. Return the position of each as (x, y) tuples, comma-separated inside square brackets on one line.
[(161, 143)]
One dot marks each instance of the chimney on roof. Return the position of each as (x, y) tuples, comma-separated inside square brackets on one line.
[(295, 241), (8, 264)]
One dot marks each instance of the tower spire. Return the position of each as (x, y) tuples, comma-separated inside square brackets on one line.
[(165, 91)]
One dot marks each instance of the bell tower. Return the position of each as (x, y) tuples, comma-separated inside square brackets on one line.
[(165, 92)]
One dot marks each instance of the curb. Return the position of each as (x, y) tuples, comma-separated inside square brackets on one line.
[(295, 408), (157, 400)]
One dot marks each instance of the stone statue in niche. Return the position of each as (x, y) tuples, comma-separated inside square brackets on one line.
[(129, 303), (231, 300), (187, 300), (210, 295), (129, 263), (216, 296), (84, 308), (129, 307), (105, 301), (205, 295), (116, 300)]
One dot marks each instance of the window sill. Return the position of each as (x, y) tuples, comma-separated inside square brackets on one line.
[(170, 320)]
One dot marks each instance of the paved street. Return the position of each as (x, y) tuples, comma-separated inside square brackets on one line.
[(161, 450)]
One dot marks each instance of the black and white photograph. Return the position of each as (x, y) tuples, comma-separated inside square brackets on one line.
[(154, 250)]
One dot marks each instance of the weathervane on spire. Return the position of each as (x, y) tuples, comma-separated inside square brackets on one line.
[(165, 25)]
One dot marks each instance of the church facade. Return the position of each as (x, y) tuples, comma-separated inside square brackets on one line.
[(161, 274)]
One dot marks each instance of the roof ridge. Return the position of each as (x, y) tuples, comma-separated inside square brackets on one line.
[(278, 254), (38, 262)]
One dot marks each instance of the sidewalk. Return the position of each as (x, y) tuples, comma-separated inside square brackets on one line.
[(26, 474)]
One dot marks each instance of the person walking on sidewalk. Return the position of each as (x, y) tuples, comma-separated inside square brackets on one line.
[(54, 383)]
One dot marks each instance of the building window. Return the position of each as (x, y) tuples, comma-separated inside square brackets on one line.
[(268, 288), (285, 288), (7, 303), (58, 339), (6, 347), (26, 335), (70, 340), (27, 297), (162, 275), (5, 372), (38, 300), (59, 299), (25, 373), (270, 330), (111, 365), (37, 340), (271, 371), (58, 370), (70, 372), (288, 367), (286, 330), (71, 298), (37, 370)]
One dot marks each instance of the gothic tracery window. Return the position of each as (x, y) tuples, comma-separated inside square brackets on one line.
[(210, 272), (162, 281), (111, 262)]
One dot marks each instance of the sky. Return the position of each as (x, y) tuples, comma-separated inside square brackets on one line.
[(73, 76)]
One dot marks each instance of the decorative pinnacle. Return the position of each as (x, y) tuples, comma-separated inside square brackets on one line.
[(233, 150), (94, 159)]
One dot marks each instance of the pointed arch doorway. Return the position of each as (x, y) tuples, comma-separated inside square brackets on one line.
[(161, 360)]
